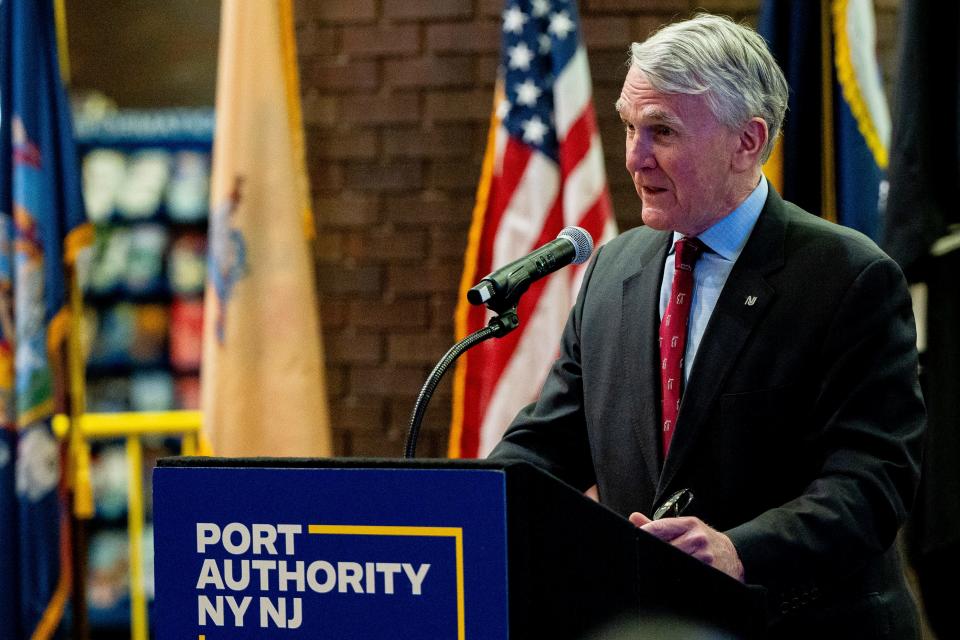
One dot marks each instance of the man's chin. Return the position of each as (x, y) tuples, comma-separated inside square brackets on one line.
[(655, 219)]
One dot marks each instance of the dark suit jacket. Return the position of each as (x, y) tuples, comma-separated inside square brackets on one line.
[(799, 429)]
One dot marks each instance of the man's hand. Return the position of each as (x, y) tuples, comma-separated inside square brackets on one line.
[(694, 537)]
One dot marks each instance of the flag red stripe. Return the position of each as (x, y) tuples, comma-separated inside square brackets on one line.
[(577, 143), (516, 157), (488, 360)]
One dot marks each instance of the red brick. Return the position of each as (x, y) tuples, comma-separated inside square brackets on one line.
[(387, 381), (357, 416), (326, 177), (464, 37), (433, 442), (609, 66), (318, 109), (428, 208), (313, 40), (441, 312), (341, 280), (336, 378), (728, 7), (438, 142), (347, 210), (607, 32), (436, 419), (450, 242), (381, 41), (339, 72), (461, 176), (619, 177), (429, 71), (424, 278), (458, 106), (644, 26), (329, 144), (389, 109), (492, 8), (366, 445), (485, 69), (651, 6), (404, 313), (342, 443), (332, 248), (350, 347), (369, 176), (381, 245), (612, 136), (427, 10), (334, 314), (417, 348), (337, 10), (626, 207)]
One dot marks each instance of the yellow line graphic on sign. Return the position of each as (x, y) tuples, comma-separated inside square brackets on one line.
[(431, 532)]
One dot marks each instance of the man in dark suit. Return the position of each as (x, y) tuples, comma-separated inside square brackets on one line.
[(740, 348)]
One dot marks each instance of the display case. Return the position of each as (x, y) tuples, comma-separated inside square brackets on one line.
[(146, 181)]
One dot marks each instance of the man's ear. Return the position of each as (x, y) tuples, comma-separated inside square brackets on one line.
[(751, 140)]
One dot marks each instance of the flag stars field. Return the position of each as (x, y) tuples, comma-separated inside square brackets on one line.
[(545, 44), (513, 20), (528, 93), (561, 25), (520, 57), (534, 130), (540, 8)]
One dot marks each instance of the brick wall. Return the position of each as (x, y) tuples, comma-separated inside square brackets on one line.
[(396, 100)]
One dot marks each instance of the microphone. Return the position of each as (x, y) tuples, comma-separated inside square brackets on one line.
[(502, 289)]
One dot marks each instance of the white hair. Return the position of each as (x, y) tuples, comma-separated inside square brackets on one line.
[(728, 63)]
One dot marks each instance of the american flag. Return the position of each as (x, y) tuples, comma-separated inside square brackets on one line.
[(543, 170)]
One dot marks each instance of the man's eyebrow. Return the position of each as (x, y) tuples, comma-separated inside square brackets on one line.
[(653, 114), (661, 116)]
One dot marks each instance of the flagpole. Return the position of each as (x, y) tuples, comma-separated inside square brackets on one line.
[(828, 177), (78, 459)]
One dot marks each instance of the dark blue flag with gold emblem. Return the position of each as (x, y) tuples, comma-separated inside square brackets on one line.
[(833, 153), (41, 232)]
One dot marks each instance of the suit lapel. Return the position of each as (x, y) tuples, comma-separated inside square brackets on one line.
[(739, 309), (639, 328)]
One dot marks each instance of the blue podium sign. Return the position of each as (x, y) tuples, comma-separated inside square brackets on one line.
[(330, 553)]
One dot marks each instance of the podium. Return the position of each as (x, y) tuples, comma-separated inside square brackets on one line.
[(432, 549)]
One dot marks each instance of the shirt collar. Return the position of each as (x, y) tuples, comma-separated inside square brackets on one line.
[(728, 236)]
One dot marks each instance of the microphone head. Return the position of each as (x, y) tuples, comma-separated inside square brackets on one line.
[(582, 243)]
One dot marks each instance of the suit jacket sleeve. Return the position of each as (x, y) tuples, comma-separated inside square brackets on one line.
[(866, 427), (551, 433)]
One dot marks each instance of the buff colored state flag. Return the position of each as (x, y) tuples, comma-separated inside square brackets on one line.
[(263, 379)]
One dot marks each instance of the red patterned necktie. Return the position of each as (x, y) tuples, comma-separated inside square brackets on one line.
[(673, 334)]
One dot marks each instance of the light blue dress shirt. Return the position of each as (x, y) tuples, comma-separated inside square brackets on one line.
[(725, 241)]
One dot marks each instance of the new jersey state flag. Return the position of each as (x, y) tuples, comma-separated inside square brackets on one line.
[(262, 375), (543, 171), (42, 232), (833, 154)]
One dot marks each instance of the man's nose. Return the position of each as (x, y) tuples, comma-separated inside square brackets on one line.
[(640, 154)]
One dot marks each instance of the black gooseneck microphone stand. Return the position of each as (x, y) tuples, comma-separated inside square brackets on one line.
[(498, 327), (500, 292)]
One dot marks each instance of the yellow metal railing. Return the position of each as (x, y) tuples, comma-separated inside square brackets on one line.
[(132, 426)]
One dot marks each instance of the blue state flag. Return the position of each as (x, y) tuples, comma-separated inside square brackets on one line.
[(42, 231), (833, 154)]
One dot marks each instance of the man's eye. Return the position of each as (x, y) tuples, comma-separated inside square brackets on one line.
[(629, 128), (663, 131)]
